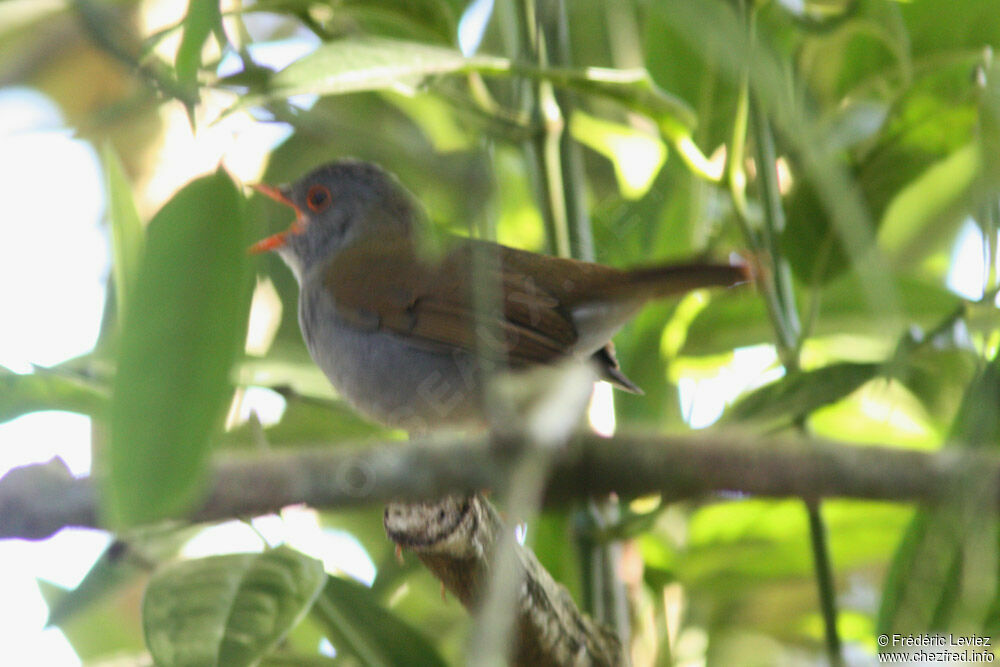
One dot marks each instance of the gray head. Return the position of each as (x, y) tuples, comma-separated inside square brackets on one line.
[(336, 205)]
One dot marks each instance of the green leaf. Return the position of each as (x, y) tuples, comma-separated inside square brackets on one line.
[(126, 228), (799, 394), (126, 559), (932, 583), (42, 390), (939, 371), (926, 211), (202, 19), (369, 63), (977, 423), (430, 19), (185, 322), (108, 626), (308, 421), (358, 625), (302, 378), (228, 610), (739, 319), (915, 175)]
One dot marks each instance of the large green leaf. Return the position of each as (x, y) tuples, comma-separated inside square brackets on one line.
[(358, 625), (228, 610), (185, 322)]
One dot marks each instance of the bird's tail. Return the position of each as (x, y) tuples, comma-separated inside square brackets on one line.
[(666, 280)]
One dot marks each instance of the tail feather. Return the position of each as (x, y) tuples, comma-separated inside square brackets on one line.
[(661, 281)]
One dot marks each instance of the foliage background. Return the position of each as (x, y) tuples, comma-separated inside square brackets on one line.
[(866, 136)]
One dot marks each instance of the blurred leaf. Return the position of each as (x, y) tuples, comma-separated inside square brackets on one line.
[(938, 372), (413, 18), (359, 626), (551, 540), (228, 610), (367, 63), (303, 378), (105, 26), (45, 390), (202, 19), (127, 238), (365, 525), (738, 319), (926, 211), (115, 568), (659, 560), (308, 422), (687, 71), (883, 411), (915, 175), (746, 564), (186, 322), (110, 625), (363, 63), (799, 394), (126, 559), (978, 421), (970, 23), (934, 584)]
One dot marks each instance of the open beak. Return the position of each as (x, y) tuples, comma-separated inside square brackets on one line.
[(275, 241)]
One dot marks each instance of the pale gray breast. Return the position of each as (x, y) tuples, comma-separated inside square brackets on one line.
[(383, 376)]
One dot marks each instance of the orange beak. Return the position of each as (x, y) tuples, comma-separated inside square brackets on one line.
[(275, 241)]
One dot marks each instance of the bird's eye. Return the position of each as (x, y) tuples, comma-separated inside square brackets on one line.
[(318, 198)]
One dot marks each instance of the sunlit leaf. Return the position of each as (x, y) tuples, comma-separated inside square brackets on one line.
[(228, 610), (799, 394), (185, 324), (202, 19)]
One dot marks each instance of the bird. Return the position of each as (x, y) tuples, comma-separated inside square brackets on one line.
[(410, 337)]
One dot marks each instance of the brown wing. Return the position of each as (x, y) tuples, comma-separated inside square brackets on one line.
[(389, 286)]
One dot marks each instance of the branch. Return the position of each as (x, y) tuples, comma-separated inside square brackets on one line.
[(38, 500), (457, 539)]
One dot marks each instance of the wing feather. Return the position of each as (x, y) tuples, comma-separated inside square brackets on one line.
[(389, 286)]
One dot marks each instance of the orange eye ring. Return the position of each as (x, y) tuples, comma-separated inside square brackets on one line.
[(318, 198)]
